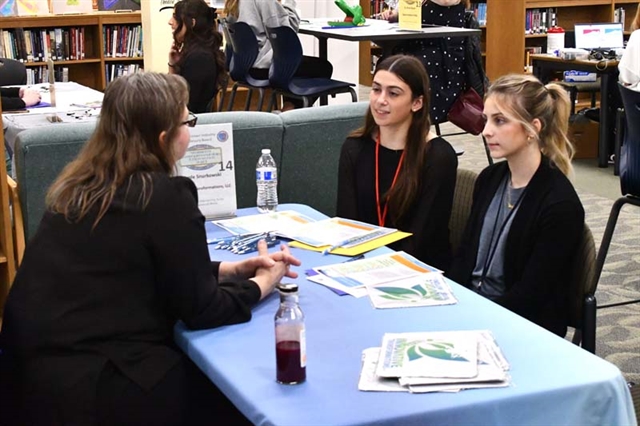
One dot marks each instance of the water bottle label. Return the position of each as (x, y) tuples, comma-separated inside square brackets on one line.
[(303, 348), (266, 175)]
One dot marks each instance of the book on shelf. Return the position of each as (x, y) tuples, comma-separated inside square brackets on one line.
[(118, 5), (538, 21), (122, 41), (619, 15), (480, 12)]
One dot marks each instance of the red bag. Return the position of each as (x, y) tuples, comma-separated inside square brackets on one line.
[(466, 112)]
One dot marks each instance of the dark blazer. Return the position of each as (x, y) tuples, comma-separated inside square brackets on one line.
[(428, 216), (11, 99), (85, 296), (541, 245)]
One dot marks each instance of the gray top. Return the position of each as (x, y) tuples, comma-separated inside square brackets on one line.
[(260, 14), (493, 239)]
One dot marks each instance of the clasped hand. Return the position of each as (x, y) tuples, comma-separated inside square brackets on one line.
[(266, 269)]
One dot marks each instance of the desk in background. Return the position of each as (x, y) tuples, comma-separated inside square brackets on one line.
[(543, 65), (554, 381)]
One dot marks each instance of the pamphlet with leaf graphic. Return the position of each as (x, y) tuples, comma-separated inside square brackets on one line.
[(422, 290), (437, 354)]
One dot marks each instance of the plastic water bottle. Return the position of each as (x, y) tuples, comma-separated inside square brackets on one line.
[(291, 347), (267, 183)]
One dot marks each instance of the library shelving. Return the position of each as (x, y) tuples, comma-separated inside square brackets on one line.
[(86, 43)]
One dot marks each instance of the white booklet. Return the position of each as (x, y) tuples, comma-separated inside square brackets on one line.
[(433, 354), (420, 290), (280, 223)]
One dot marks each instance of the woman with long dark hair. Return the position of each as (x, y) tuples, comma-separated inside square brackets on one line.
[(195, 53), (394, 172)]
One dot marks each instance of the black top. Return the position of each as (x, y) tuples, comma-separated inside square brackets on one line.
[(540, 248), (84, 296), (427, 218), (11, 99), (201, 72)]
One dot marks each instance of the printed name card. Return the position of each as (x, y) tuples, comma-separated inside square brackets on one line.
[(210, 164), (410, 15)]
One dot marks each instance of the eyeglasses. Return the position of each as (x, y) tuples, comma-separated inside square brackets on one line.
[(191, 122)]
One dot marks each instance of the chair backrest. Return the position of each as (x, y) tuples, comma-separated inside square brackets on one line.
[(40, 157), (12, 72), (244, 45), (312, 142), (583, 278), (630, 151), (287, 55), (461, 208)]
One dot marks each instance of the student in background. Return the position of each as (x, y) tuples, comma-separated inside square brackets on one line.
[(260, 14), (629, 65), (527, 220), (15, 98), (443, 58), (120, 256), (393, 171), (195, 53)]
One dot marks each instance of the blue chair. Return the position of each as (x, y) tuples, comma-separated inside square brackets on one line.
[(287, 55), (629, 176), (244, 46)]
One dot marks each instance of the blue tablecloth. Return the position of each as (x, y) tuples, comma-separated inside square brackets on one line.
[(553, 381)]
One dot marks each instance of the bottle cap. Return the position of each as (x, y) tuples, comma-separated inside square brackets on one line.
[(287, 287), (266, 151)]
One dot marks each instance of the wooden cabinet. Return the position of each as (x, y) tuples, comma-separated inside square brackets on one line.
[(505, 37), (90, 70)]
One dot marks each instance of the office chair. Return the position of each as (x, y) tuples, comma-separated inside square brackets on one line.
[(582, 312), (244, 51), (287, 55), (462, 201), (629, 176), (12, 72)]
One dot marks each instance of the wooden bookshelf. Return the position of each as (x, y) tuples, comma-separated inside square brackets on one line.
[(7, 255), (89, 71)]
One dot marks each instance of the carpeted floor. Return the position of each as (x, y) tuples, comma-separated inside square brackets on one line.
[(618, 330)]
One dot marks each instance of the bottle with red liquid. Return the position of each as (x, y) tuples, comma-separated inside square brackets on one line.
[(291, 351)]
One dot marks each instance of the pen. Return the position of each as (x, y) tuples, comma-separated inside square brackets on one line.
[(339, 27), (341, 243), (351, 259)]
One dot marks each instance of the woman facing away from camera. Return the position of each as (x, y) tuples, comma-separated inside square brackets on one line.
[(629, 65), (262, 14), (393, 172), (526, 221), (195, 53), (119, 257)]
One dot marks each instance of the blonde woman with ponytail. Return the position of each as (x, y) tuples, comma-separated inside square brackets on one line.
[(526, 221)]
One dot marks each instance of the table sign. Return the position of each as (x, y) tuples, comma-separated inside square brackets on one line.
[(209, 163), (410, 15)]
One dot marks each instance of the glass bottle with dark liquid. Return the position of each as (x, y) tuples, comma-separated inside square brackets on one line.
[(291, 351)]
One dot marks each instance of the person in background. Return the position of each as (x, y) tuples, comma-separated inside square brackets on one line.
[(629, 65), (394, 172), (260, 14), (444, 59), (16, 98), (195, 53), (526, 221), (120, 255)]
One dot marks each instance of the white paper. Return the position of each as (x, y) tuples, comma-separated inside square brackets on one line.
[(277, 222), (429, 289), (210, 164), (338, 232), (436, 354), (369, 381)]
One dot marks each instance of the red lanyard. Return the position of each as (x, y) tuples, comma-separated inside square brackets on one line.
[(383, 215)]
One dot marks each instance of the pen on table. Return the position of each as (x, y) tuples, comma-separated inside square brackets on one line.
[(351, 259), (340, 244)]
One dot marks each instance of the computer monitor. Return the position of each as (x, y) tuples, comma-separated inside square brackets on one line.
[(599, 36)]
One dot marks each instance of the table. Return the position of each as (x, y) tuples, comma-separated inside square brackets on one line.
[(381, 32), (543, 65), (554, 381), (70, 97)]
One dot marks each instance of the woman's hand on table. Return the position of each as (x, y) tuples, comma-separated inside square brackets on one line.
[(30, 97)]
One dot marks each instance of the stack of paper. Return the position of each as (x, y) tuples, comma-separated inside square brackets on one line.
[(354, 277), (335, 235), (434, 362)]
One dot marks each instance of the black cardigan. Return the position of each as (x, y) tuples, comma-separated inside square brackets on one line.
[(540, 248), (11, 99), (84, 296), (200, 70)]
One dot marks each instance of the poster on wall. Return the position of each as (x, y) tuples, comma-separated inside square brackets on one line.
[(8, 8), (62, 7), (114, 5), (210, 164), (33, 7)]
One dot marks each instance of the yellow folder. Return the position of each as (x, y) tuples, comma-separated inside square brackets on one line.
[(360, 248)]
